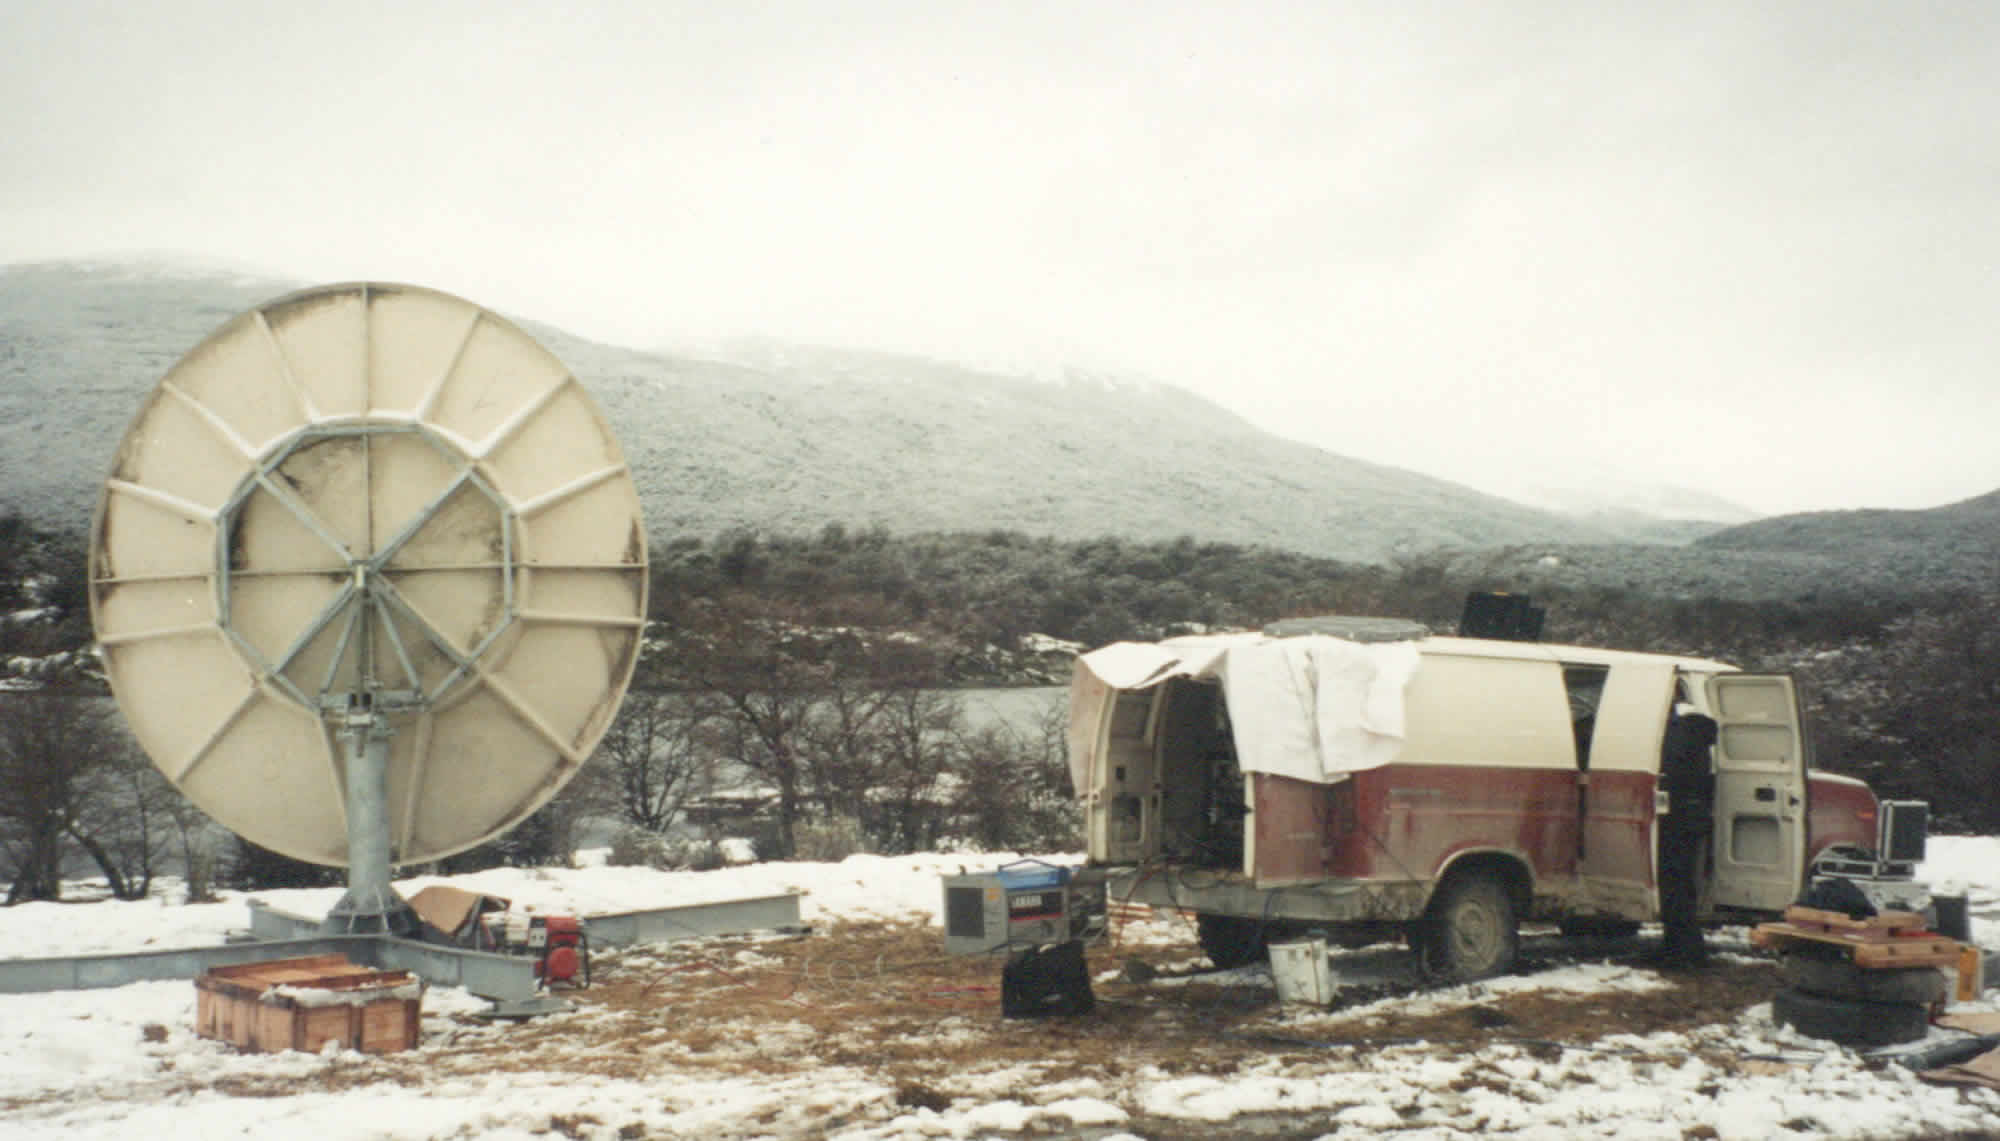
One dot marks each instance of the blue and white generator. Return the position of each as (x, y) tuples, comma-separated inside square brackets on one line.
[(1021, 906)]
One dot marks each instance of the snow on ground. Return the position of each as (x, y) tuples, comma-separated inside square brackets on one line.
[(125, 1062), (860, 887)]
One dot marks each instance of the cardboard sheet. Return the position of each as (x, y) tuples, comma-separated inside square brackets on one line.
[(451, 909)]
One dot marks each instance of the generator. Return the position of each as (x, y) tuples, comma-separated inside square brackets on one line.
[(1041, 915), (558, 944), (1021, 906), (561, 950)]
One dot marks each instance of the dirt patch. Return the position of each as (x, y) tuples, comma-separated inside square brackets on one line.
[(882, 1000), (881, 997)]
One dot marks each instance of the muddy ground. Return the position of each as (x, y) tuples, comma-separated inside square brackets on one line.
[(882, 1001), (882, 995)]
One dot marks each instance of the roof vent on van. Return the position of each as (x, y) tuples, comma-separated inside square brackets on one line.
[(1351, 628)]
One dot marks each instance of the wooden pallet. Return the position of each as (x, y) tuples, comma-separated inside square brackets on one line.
[(1890, 939)]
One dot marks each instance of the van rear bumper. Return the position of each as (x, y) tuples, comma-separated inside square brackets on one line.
[(1213, 892)]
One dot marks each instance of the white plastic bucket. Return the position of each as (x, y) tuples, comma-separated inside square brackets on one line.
[(1302, 972)]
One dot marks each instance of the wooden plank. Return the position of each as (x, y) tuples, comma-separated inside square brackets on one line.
[(251, 980), (1776, 936), (315, 1026), (362, 980), (1887, 921), (381, 1027), (1870, 949), (1907, 953), (1971, 972), (328, 962)]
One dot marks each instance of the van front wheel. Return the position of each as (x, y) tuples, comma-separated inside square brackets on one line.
[(1469, 932)]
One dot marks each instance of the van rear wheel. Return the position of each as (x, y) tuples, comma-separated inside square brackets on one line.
[(1470, 930), (1230, 941)]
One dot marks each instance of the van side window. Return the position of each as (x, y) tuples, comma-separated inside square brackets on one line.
[(1585, 685), (1130, 715)]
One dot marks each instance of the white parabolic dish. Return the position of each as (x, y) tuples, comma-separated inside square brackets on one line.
[(369, 496)]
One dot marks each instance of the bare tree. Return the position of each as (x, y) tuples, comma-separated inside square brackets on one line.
[(1013, 788), (880, 741), (918, 741), (51, 746), (651, 755), (762, 733), (124, 821), (767, 674), (839, 747), (198, 840)]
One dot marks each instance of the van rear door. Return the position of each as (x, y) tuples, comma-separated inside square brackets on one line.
[(1760, 791), (1122, 792)]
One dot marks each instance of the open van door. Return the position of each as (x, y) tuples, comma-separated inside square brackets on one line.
[(1760, 791), (1122, 795)]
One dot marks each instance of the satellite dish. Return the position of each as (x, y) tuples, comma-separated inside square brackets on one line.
[(369, 527)]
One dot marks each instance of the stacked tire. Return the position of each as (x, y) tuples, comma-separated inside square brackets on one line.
[(1828, 996)]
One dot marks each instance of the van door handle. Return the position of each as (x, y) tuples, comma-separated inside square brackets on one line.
[(1767, 794)]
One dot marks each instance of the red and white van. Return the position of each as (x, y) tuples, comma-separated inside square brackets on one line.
[(1369, 780)]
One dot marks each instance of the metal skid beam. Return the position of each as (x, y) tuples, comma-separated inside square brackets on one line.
[(506, 980), (695, 921), (91, 972)]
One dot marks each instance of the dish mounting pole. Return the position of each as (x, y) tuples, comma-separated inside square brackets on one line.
[(371, 905), (365, 720)]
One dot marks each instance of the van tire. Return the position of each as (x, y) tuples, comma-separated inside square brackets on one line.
[(1469, 931), (1831, 977), (1848, 1022), (1230, 941)]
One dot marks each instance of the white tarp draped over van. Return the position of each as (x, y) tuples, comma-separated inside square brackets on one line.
[(1310, 707)]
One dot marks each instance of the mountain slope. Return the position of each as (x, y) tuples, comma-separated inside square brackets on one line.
[(1874, 555), (1956, 546), (1972, 523), (787, 443)]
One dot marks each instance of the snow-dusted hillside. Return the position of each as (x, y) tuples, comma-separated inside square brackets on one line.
[(783, 440)]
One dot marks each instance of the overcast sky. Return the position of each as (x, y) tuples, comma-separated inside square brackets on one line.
[(1749, 248)]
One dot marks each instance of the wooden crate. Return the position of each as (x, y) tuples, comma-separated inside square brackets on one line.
[(1891, 939), (302, 1004)]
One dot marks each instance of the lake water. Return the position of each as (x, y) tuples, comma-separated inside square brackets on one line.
[(1020, 708)]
